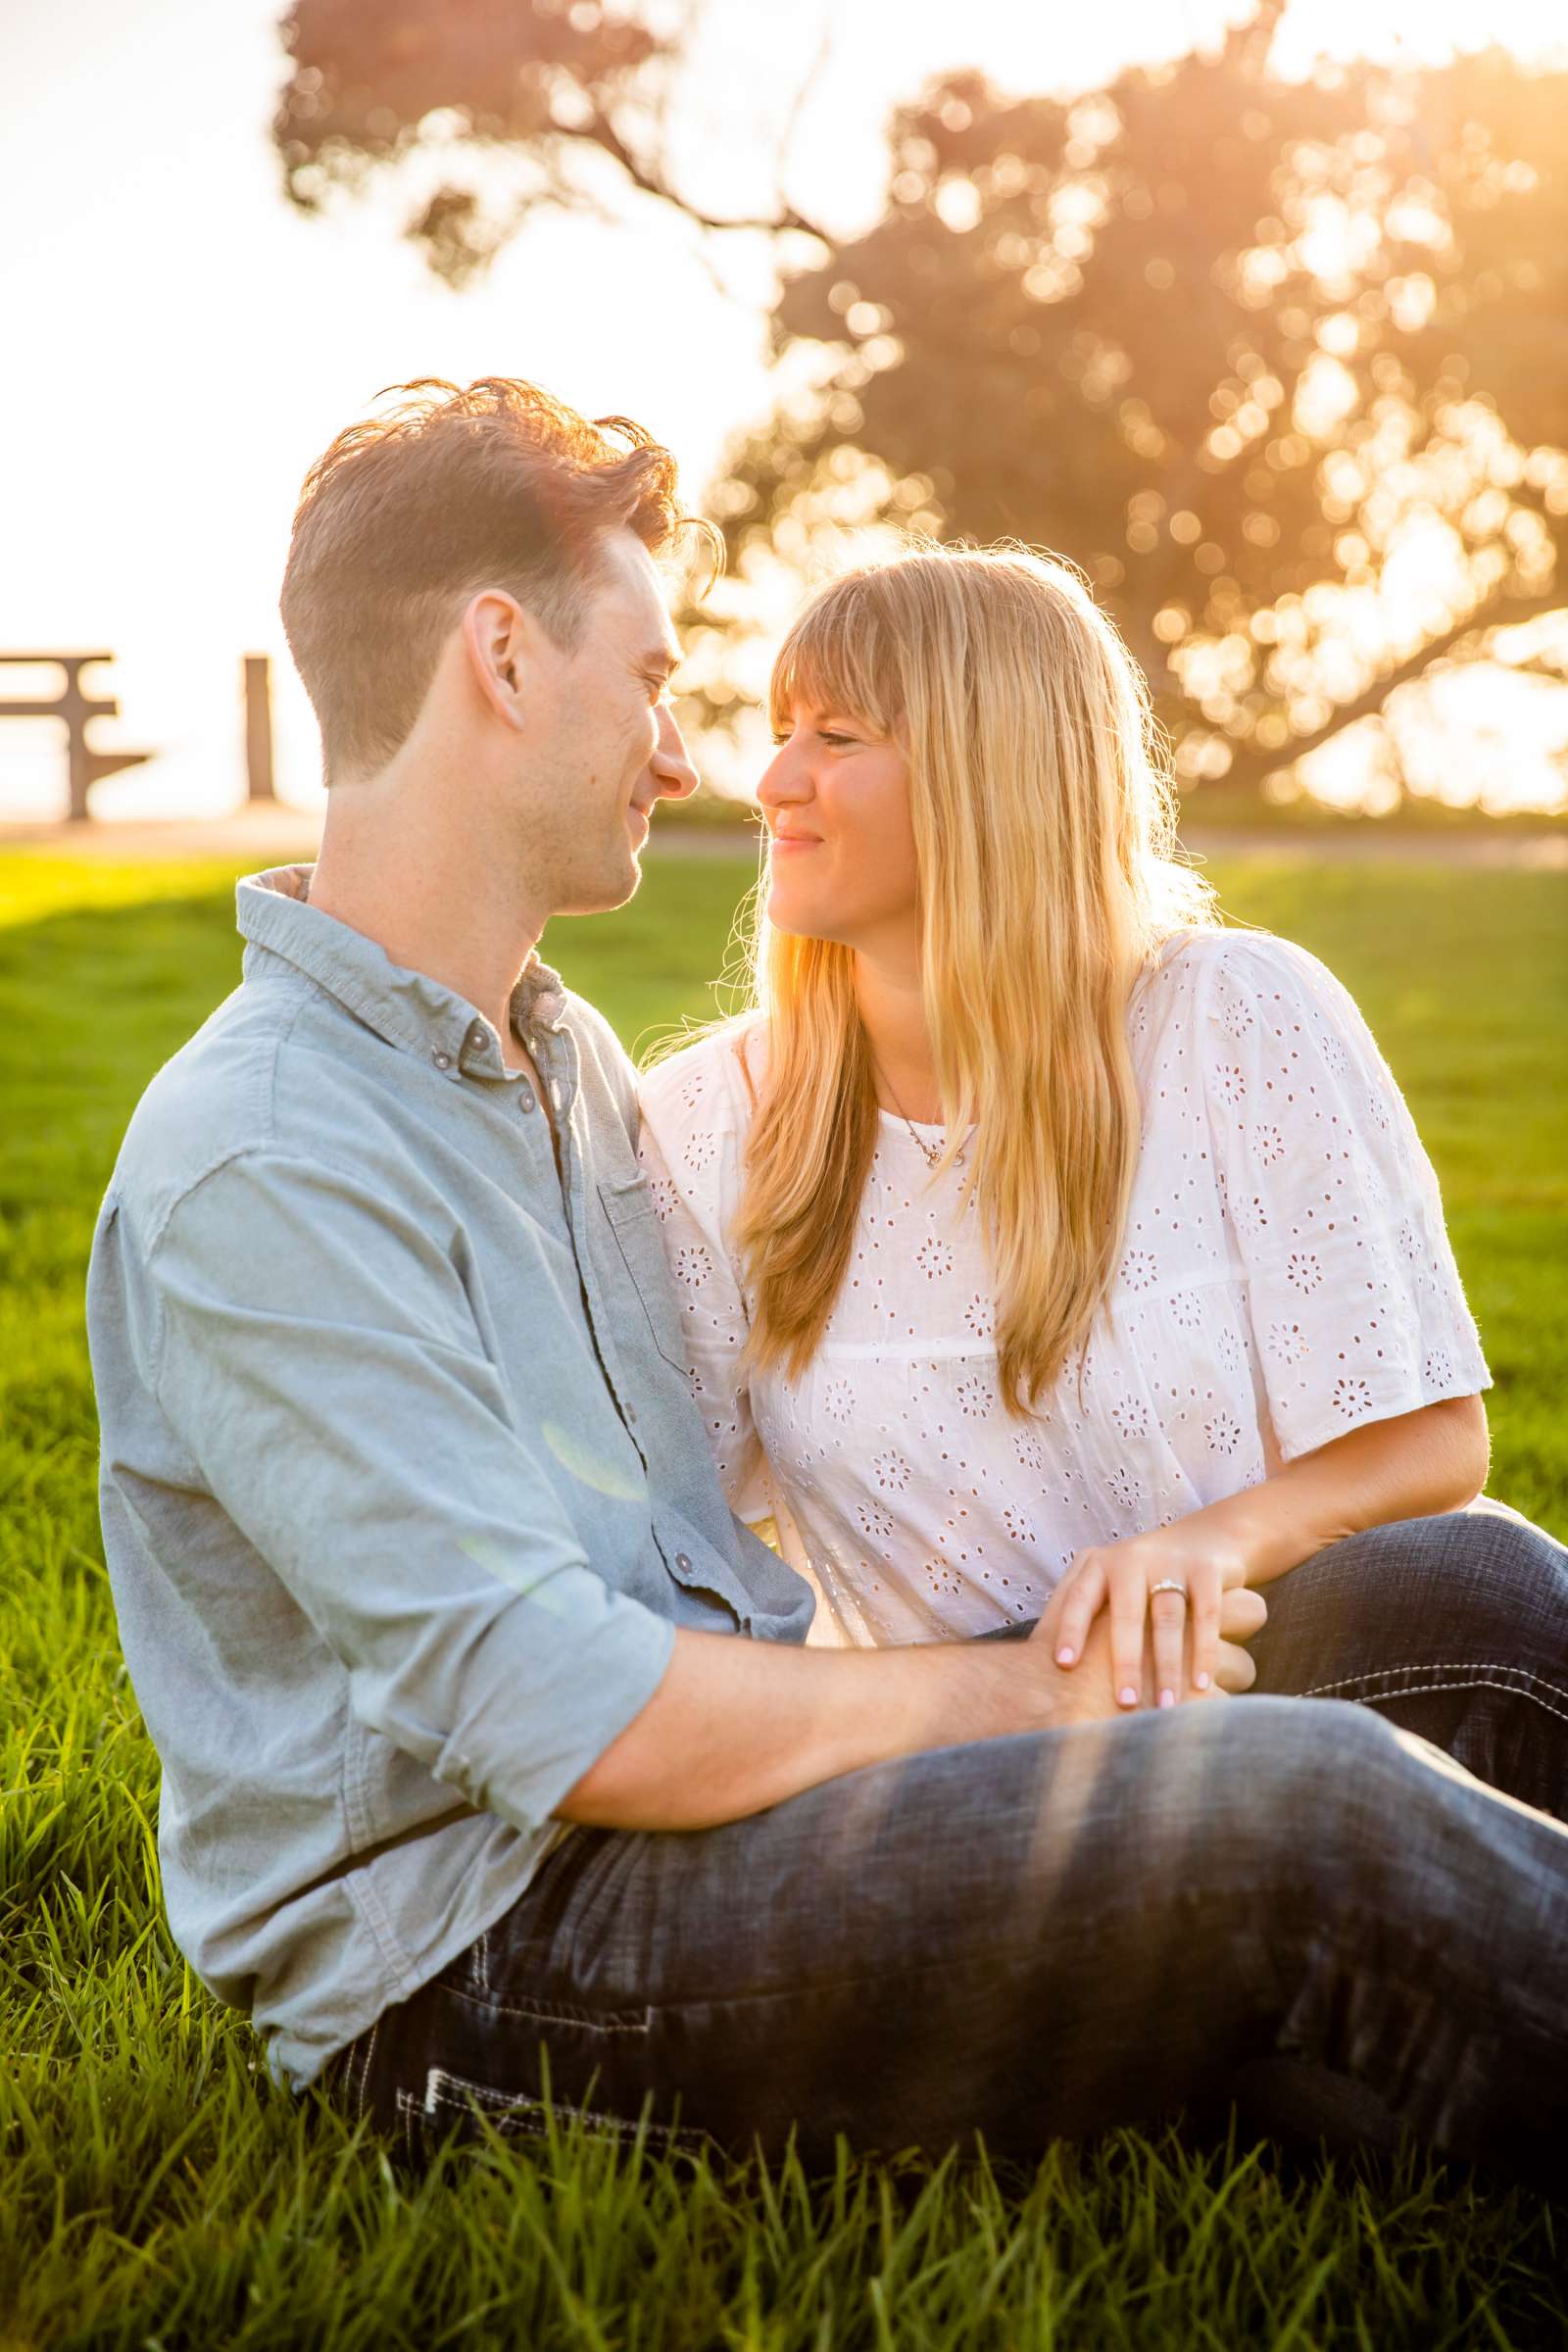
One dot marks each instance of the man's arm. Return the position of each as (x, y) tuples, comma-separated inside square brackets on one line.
[(317, 1356), (736, 1725)]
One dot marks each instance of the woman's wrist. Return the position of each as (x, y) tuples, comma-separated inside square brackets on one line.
[(1272, 1527)]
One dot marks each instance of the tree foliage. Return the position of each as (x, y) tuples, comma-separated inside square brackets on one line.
[(573, 92), (1283, 366)]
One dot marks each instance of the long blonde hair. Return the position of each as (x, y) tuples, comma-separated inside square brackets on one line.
[(1044, 833)]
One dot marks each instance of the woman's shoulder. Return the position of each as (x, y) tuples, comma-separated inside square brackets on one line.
[(1222, 976), (1223, 1014), (713, 1079)]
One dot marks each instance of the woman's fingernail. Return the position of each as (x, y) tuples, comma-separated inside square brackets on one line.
[(1201, 1681), (1065, 1655), (1129, 1696), (1168, 1698)]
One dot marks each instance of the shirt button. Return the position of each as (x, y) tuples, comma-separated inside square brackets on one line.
[(443, 1062), (527, 1100), (477, 1038), (683, 1560)]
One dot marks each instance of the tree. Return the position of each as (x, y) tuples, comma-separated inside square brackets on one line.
[(1284, 367), (572, 93), (1281, 364)]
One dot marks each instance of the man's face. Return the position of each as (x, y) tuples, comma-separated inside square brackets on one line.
[(603, 745)]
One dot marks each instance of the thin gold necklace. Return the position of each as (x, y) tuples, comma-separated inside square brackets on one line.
[(929, 1153)]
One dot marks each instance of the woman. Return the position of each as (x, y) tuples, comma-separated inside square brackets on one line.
[(1031, 1230)]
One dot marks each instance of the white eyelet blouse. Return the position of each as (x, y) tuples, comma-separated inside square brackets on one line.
[(1286, 1275)]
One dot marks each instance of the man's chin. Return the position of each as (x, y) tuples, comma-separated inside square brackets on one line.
[(611, 886)]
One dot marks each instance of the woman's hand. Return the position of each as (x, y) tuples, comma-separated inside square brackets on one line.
[(1135, 1579)]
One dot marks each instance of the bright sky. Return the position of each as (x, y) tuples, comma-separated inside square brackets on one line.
[(178, 345)]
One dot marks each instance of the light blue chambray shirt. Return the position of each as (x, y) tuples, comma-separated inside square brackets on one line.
[(404, 1487)]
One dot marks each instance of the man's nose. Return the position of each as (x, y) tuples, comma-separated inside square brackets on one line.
[(671, 762)]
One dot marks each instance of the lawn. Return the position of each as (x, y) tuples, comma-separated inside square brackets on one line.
[(155, 2193)]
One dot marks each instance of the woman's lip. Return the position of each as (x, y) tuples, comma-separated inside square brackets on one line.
[(793, 841)]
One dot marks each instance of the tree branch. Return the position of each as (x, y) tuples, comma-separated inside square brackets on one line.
[(1251, 767), (604, 134)]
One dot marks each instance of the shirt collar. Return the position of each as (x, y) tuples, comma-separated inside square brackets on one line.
[(406, 1008)]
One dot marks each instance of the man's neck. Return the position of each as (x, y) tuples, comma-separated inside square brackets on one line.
[(428, 902)]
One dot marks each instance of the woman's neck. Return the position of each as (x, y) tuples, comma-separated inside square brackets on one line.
[(892, 1005)]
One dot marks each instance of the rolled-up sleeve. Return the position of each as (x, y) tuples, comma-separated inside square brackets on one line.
[(317, 1355)]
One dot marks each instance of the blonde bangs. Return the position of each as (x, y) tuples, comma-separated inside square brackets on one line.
[(836, 658)]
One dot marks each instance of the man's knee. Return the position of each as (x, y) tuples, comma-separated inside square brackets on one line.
[(1308, 1779)]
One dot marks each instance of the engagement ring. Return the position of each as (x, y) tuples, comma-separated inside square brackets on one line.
[(1168, 1584)]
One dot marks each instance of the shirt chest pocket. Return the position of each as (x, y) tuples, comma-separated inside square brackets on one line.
[(628, 1207)]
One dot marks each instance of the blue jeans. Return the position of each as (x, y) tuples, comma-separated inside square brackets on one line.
[(1318, 1910)]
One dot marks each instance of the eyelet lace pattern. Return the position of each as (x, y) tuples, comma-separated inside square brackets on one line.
[(1286, 1275)]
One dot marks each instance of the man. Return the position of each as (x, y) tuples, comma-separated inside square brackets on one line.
[(429, 1591)]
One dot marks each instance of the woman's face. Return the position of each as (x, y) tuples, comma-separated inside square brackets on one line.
[(842, 862)]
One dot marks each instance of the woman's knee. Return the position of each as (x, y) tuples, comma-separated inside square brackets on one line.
[(1469, 1569)]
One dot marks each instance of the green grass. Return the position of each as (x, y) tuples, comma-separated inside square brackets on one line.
[(155, 2191)]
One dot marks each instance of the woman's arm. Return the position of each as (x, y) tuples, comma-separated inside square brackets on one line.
[(1432, 1459), (1361, 1345)]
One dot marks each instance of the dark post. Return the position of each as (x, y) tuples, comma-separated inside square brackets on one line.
[(258, 728), (84, 766)]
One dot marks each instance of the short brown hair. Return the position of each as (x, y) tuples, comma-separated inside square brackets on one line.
[(414, 510)]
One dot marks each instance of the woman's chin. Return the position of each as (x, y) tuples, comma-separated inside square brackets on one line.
[(786, 912)]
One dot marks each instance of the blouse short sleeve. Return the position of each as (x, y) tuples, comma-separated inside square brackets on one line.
[(1356, 1308), (689, 1146)]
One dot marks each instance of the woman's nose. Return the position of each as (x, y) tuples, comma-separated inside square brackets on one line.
[(784, 780), (671, 762)]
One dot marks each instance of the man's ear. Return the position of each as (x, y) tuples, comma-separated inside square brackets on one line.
[(498, 639)]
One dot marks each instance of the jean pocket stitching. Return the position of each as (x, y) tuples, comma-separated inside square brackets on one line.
[(567, 2015), (410, 2114), (519, 2115), (365, 2069), (1471, 1676)]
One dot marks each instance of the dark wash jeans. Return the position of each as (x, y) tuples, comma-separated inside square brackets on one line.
[(1321, 1910)]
